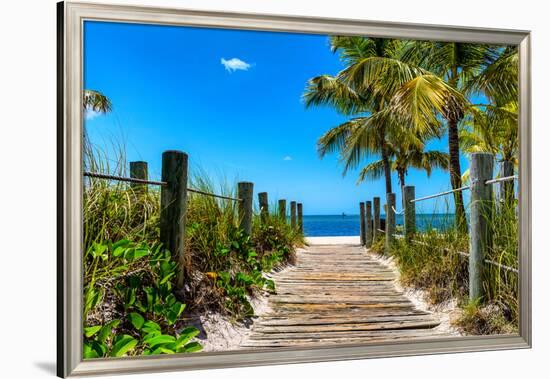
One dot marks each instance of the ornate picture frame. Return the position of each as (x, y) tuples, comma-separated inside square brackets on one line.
[(71, 18)]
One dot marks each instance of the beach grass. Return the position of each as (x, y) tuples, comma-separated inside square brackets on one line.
[(436, 261), (128, 274)]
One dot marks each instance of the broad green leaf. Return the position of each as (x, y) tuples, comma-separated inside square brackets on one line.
[(167, 277), (162, 350), (99, 348), (107, 330), (159, 340), (136, 319), (124, 344), (192, 347), (118, 251), (121, 243), (185, 336), (91, 330), (88, 352), (151, 327)]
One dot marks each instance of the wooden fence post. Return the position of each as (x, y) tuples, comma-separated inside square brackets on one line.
[(300, 217), (282, 210), (481, 206), (362, 223), (376, 219), (173, 207), (293, 214), (264, 206), (369, 232), (139, 170), (506, 190), (390, 221), (245, 191), (410, 212)]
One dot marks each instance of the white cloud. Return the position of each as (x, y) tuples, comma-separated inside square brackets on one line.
[(287, 158), (235, 64), (90, 114)]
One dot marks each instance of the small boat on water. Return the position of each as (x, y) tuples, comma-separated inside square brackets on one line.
[(343, 215)]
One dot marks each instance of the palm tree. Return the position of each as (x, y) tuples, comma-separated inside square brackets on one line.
[(406, 151), (493, 127), (364, 135), (467, 68)]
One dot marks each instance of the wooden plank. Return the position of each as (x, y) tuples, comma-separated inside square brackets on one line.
[(338, 295)]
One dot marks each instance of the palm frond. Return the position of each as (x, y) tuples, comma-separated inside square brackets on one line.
[(331, 91), (372, 171), (419, 102), (96, 101)]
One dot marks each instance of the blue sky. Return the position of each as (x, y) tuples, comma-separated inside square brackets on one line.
[(231, 100)]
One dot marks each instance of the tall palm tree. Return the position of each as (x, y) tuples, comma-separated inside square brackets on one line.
[(412, 95), (362, 135), (464, 67)]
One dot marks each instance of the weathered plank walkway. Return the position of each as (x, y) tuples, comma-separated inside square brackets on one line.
[(338, 294)]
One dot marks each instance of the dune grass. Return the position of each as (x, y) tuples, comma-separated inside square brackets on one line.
[(129, 294), (435, 262)]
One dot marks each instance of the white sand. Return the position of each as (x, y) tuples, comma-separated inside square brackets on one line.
[(345, 240), (445, 312)]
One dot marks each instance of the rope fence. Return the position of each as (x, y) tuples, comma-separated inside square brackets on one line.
[(482, 202), (174, 192), (154, 183)]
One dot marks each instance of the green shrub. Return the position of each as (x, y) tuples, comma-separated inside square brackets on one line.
[(129, 305)]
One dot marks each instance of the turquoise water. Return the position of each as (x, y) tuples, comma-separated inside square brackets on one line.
[(336, 225)]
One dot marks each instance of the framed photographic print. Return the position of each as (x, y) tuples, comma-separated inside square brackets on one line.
[(246, 189)]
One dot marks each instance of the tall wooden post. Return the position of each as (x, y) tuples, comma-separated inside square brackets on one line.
[(173, 207), (481, 208), (264, 207), (376, 218), (506, 190), (369, 226), (245, 191), (300, 217), (410, 212), (282, 210), (390, 221), (293, 214), (139, 170), (362, 223)]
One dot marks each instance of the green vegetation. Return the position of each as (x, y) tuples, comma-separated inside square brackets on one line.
[(399, 96), (131, 305), (435, 262)]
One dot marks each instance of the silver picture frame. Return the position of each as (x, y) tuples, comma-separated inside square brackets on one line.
[(71, 17)]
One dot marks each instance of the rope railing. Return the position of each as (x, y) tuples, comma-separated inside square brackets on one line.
[(503, 179), (213, 194), (395, 211), (466, 255), (123, 179), (464, 188), (173, 194), (440, 194), (482, 197), (153, 182)]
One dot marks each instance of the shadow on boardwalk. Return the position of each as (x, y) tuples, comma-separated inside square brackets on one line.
[(338, 294)]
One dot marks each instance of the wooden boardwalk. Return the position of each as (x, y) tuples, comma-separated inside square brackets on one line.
[(338, 294)]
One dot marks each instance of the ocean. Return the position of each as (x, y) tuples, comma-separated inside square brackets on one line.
[(337, 225)]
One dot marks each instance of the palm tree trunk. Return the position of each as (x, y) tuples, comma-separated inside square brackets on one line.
[(387, 168), (455, 172)]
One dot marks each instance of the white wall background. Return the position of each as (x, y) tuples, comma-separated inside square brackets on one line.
[(27, 210)]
